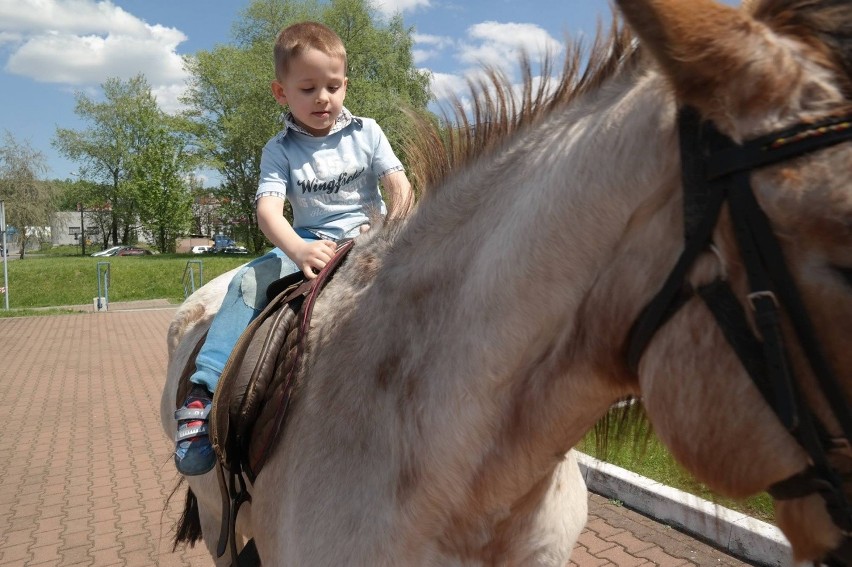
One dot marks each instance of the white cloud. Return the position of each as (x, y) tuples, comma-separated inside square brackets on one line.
[(452, 91), (491, 44), (432, 40), (81, 43), (87, 59), (392, 7), (9, 37), (74, 16), (422, 55), (428, 47), (445, 86), (501, 45), (168, 97)]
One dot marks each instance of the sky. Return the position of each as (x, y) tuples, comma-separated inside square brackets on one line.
[(52, 49)]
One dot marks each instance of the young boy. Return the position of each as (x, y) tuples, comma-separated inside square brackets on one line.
[(327, 163)]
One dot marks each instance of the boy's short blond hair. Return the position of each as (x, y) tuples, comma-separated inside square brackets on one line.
[(295, 39)]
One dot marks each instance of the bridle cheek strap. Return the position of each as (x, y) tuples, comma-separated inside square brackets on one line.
[(807, 483), (812, 481), (716, 170)]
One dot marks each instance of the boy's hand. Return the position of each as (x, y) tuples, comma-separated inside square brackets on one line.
[(313, 256)]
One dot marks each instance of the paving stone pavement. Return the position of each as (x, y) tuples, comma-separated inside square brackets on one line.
[(85, 470)]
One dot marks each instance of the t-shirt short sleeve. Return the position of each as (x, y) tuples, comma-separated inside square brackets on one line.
[(274, 170), (384, 159)]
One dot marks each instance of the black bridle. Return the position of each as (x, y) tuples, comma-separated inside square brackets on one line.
[(716, 170)]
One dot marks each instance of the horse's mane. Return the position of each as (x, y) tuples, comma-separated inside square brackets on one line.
[(436, 148)]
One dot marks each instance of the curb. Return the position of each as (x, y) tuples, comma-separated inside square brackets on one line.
[(738, 535), (112, 306)]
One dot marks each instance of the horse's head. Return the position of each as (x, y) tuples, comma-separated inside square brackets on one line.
[(775, 77)]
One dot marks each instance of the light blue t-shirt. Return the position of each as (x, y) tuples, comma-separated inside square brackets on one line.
[(331, 182)]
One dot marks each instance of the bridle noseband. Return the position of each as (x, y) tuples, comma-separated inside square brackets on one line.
[(715, 169)]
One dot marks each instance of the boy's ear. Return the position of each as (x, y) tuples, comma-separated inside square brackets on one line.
[(278, 93)]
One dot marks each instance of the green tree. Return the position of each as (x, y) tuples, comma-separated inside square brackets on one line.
[(382, 77), (261, 21), (116, 130), (158, 180), (236, 114), (29, 200)]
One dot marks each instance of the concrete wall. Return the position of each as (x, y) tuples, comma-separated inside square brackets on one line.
[(184, 245)]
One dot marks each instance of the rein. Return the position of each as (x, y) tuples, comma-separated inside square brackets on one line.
[(300, 294), (715, 169)]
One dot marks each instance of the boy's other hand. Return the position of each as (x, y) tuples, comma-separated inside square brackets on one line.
[(313, 256)]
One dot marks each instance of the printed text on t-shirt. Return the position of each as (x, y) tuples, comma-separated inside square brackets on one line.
[(330, 186)]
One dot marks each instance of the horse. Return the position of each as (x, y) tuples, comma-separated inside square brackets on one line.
[(560, 262)]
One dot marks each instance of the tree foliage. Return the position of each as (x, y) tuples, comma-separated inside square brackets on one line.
[(382, 77), (158, 175), (133, 156), (234, 119), (29, 200), (236, 114), (261, 21), (103, 149)]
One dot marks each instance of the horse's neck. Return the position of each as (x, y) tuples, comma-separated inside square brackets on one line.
[(501, 261), (464, 349)]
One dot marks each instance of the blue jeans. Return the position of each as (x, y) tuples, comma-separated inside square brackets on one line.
[(245, 299)]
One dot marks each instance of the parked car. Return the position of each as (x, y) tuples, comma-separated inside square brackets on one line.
[(132, 251), (230, 250), (200, 249), (221, 241), (108, 252)]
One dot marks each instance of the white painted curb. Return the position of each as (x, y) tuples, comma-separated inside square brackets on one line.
[(735, 533)]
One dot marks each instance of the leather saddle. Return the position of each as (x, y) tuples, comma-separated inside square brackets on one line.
[(251, 400)]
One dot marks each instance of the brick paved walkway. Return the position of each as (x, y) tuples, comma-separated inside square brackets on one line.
[(84, 475)]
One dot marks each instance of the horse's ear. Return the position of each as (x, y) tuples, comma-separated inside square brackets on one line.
[(708, 51)]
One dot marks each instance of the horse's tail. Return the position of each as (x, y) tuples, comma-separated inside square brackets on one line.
[(188, 528)]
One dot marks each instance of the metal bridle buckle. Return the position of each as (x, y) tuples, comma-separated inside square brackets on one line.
[(759, 294)]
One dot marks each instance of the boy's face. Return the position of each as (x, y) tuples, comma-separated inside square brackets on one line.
[(314, 88)]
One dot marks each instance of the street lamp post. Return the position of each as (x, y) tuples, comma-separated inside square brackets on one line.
[(82, 228), (5, 254)]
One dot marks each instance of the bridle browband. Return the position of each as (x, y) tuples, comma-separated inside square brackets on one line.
[(716, 170)]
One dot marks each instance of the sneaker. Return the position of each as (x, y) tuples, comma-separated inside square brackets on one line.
[(194, 454)]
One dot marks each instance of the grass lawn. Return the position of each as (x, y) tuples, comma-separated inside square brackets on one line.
[(61, 277), (652, 459), (55, 279)]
